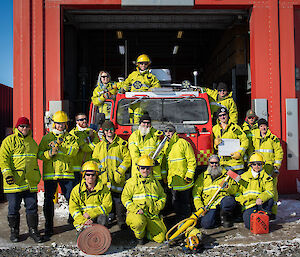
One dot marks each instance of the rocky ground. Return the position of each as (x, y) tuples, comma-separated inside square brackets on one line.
[(283, 239)]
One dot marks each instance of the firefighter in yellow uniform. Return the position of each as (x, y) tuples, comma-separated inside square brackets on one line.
[(21, 175), (248, 126), (56, 150), (140, 80), (90, 200), (268, 145), (257, 191), (220, 97), (114, 158), (144, 141), (180, 164), (105, 89), (87, 139), (205, 187), (144, 198), (227, 129)]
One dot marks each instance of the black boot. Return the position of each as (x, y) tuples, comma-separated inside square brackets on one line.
[(32, 222), (14, 224), (49, 214), (120, 212), (226, 220)]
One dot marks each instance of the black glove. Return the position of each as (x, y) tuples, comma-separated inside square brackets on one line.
[(156, 163), (10, 180)]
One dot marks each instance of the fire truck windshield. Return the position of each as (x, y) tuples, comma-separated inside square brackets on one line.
[(175, 110)]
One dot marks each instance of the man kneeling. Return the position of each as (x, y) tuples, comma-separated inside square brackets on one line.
[(205, 188), (90, 200), (257, 191), (144, 197)]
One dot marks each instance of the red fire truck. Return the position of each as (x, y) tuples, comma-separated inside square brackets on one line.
[(187, 110)]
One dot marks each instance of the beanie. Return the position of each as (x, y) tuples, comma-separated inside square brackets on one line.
[(22, 121), (262, 121)]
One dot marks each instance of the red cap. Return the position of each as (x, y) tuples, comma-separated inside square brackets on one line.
[(22, 121)]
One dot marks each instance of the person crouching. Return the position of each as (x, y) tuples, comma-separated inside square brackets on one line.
[(90, 200), (144, 198)]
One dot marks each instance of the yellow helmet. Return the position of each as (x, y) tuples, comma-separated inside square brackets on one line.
[(90, 165), (256, 157), (60, 116), (145, 161), (143, 58)]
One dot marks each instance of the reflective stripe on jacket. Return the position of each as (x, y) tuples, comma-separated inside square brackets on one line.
[(58, 166), (86, 147), (269, 147), (94, 203), (143, 193), (205, 188), (249, 133), (114, 160), (18, 158), (227, 102), (180, 162), (253, 188), (232, 131), (98, 97), (139, 145), (137, 81)]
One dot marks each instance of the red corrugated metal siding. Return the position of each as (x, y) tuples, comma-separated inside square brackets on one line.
[(6, 109)]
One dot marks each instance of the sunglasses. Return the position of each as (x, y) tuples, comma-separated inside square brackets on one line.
[(251, 117), (143, 63), (169, 130), (24, 126), (216, 163), (83, 119), (110, 129), (222, 115), (256, 164), (104, 77), (145, 167), (90, 174)]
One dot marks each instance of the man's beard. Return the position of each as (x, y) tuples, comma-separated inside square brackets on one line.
[(214, 171), (144, 131)]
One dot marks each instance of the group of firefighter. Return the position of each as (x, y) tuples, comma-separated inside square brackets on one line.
[(93, 172)]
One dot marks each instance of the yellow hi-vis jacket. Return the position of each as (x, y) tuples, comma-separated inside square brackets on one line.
[(99, 97), (227, 102), (18, 158), (95, 203), (86, 147), (114, 161), (205, 188), (180, 162), (259, 187), (144, 193), (269, 147), (145, 145), (139, 82), (232, 131), (58, 166), (248, 129)]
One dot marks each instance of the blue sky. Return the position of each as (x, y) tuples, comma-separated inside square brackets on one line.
[(6, 42)]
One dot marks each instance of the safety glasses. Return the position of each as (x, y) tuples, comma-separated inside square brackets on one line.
[(214, 163), (90, 174), (104, 77), (251, 117), (222, 114), (83, 119), (145, 167), (143, 63)]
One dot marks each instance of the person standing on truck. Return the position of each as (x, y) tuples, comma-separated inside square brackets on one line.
[(269, 146), (140, 80), (87, 139), (144, 198), (205, 187), (105, 89), (56, 150), (21, 175), (220, 97), (90, 200), (248, 126), (180, 163), (257, 191), (114, 158), (227, 129), (144, 141)]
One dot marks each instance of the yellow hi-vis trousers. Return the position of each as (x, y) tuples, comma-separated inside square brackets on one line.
[(140, 224), (269, 169)]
